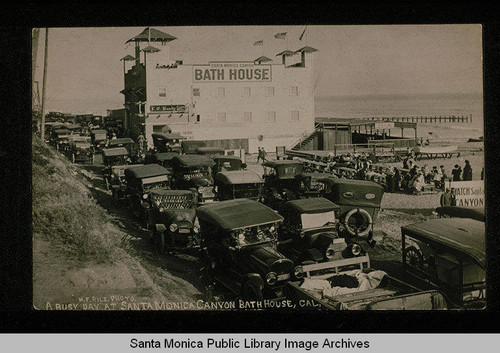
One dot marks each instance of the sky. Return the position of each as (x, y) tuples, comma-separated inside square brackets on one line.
[(85, 74)]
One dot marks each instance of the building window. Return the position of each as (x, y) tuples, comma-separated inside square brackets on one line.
[(270, 117), (221, 117), (294, 115), (294, 90), (221, 92), (270, 91), (196, 92), (162, 92), (246, 92), (247, 117)]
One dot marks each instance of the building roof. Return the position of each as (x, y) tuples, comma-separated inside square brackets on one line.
[(263, 59), (150, 49), (152, 35), (286, 53), (237, 214), (306, 49)]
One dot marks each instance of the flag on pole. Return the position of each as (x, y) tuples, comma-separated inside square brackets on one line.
[(259, 42), (302, 35), (280, 35)]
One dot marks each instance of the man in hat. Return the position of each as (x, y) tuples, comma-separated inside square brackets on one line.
[(467, 173), (456, 172)]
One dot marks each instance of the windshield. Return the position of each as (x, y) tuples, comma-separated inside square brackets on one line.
[(177, 202), (246, 190), (312, 184), (198, 172), (254, 235), (314, 220), (116, 160)]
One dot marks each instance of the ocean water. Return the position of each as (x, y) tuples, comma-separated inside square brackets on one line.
[(410, 105)]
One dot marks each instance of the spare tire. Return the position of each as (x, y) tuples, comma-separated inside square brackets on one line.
[(358, 222)]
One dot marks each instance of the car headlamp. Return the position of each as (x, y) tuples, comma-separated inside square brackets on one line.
[(201, 189), (271, 278), (173, 227), (298, 272), (196, 229), (356, 249), (161, 209), (272, 229), (145, 196), (330, 253)]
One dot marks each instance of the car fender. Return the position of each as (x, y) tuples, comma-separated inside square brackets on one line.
[(255, 279), (160, 227)]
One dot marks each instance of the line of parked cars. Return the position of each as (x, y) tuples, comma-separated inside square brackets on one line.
[(293, 234)]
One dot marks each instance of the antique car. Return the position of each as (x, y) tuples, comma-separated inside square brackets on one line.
[(114, 160), (126, 142), (99, 139), (190, 146), (167, 142), (238, 184), (194, 172), (308, 184), (116, 180), (49, 130), (141, 180), (162, 158), (449, 255), (113, 126), (279, 181), (350, 284), (345, 172), (227, 163), (79, 149), (171, 220), (210, 151), (359, 202), (238, 249), (59, 139), (74, 129), (309, 232), (461, 212)]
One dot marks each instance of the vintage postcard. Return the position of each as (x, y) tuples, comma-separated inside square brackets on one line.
[(251, 168)]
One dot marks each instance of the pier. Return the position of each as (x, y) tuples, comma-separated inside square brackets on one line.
[(425, 119)]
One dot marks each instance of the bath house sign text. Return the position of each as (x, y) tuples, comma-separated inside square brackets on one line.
[(232, 72)]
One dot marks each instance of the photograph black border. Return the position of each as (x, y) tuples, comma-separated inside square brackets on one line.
[(16, 272)]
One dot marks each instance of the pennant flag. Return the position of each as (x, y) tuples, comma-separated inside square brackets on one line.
[(280, 35), (302, 35), (259, 42)]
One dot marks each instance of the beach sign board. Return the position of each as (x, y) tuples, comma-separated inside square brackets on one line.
[(468, 193)]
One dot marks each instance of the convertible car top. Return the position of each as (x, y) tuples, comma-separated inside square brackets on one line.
[(237, 214)]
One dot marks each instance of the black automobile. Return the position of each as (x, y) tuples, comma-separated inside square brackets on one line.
[(126, 142), (359, 202), (448, 255), (167, 142), (79, 149), (238, 249), (171, 220), (309, 232), (279, 181), (194, 172), (461, 212), (162, 158), (99, 139), (238, 184), (227, 164), (141, 180), (190, 146), (309, 185), (115, 160)]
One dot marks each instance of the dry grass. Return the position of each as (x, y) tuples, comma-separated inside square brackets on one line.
[(63, 210)]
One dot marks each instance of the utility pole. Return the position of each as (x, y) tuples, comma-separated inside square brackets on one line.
[(44, 84), (34, 51)]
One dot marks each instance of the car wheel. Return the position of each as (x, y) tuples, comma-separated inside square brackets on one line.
[(251, 292), (414, 257)]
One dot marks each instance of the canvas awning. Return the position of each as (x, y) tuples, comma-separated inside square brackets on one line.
[(286, 53), (152, 35), (306, 49)]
